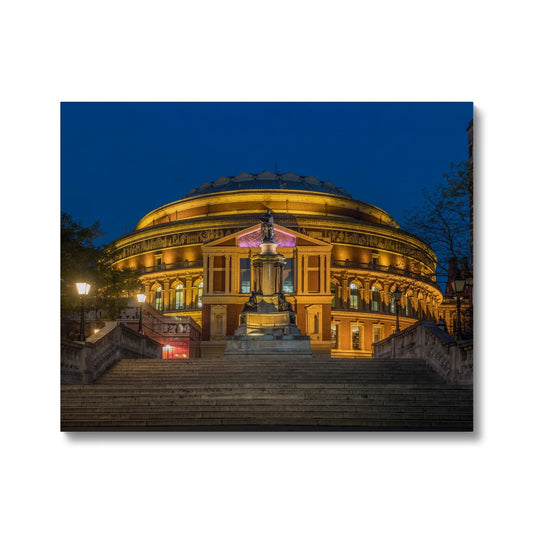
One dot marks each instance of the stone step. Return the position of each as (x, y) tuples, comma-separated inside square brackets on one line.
[(269, 388), (313, 371), (269, 424), (281, 402), (267, 395)]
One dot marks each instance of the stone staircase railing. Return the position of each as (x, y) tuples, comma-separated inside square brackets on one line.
[(451, 359), (85, 362)]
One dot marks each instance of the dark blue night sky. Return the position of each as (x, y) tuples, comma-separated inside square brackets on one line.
[(121, 160)]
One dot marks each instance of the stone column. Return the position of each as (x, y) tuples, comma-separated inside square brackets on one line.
[(227, 274), (344, 294), (188, 297), (252, 273), (210, 273), (324, 273), (305, 273), (166, 295)]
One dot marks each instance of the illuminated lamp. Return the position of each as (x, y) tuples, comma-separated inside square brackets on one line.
[(397, 296), (83, 290), (459, 286), (141, 298)]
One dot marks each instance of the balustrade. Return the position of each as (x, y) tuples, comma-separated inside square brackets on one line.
[(382, 268), (179, 265), (452, 360), (86, 362)]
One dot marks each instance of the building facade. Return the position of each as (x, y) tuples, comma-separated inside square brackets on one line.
[(344, 260)]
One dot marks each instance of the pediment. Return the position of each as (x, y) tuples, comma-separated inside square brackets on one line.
[(251, 238)]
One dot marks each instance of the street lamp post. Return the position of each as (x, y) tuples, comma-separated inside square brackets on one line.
[(83, 290), (459, 285), (141, 298), (397, 296)]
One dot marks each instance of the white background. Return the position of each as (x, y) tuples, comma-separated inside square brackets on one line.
[(292, 51)]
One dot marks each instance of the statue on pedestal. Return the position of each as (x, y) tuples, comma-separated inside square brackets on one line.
[(267, 326), (267, 227)]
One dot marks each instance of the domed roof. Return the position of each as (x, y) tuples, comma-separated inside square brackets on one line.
[(267, 180)]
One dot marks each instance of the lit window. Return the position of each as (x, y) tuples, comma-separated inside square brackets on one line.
[(375, 298), (158, 300), (392, 303), (354, 296), (245, 275), (334, 340), (200, 293), (356, 341), (179, 296), (288, 276), (377, 333), (407, 306)]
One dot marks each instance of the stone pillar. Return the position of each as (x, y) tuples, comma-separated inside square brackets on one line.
[(188, 296), (296, 271), (252, 273), (210, 273), (366, 296), (344, 292), (227, 274), (327, 274), (166, 295), (386, 295), (305, 273)]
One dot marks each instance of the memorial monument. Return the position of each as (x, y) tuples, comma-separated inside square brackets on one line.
[(268, 323)]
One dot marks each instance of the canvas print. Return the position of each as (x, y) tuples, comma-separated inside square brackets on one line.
[(267, 266)]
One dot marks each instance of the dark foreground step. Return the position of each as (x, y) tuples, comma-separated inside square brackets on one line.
[(266, 407), (267, 395)]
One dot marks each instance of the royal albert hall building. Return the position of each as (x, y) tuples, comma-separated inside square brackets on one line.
[(344, 260)]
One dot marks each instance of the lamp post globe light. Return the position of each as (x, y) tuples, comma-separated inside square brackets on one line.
[(397, 296), (141, 298), (459, 285), (83, 290)]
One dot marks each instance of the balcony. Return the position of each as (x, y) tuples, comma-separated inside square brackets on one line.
[(381, 309), (163, 267), (387, 269)]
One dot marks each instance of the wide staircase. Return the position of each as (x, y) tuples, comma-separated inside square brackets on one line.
[(273, 394)]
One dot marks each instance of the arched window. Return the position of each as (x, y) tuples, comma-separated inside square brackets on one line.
[(179, 296), (158, 299), (200, 293), (333, 289), (375, 298), (354, 296)]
